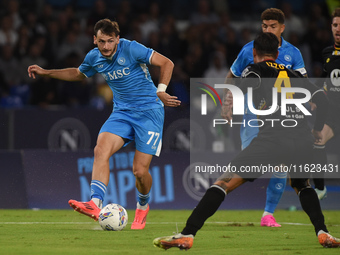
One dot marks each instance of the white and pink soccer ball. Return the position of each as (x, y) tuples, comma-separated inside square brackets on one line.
[(113, 217)]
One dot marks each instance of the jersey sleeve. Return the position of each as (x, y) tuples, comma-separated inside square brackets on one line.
[(250, 78), (86, 67), (298, 64), (244, 58), (140, 53)]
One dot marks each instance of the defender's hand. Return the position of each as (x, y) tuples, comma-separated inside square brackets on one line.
[(168, 100), (318, 136)]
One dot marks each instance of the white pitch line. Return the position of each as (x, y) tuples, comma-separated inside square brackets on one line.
[(152, 223)]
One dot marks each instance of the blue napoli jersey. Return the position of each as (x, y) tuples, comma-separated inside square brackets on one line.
[(289, 56), (127, 75)]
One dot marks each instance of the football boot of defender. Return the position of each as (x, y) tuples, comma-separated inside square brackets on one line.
[(183, 242), (140, 219), (87, 208), (269, 221), (321, 193), (328, 241)]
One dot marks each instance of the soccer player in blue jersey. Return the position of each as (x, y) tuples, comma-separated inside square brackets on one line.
[(138, 110), (289, 56)]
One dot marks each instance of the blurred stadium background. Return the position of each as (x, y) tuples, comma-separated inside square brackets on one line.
[(48, 128)]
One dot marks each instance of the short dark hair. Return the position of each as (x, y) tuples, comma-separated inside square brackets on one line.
[(273, 14), (107, 27), (336, 13), (266, 44)]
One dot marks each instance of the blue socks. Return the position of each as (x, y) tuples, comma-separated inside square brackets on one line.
[(275, 190), (143, 199), (98, 190)]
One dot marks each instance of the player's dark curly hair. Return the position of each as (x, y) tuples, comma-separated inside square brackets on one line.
[(273, 14), (266, 44), (336, 13), (107, 27)]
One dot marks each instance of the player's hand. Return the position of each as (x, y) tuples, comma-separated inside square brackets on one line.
[(35, 69), (227, 106), (168, 100), (312, 106), (318, 137)]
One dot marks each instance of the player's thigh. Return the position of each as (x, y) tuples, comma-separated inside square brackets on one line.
[(299, 184), (120, 124), (259, 157), (148, 129), (108, 144)]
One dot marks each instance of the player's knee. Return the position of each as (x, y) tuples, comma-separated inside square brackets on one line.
[(140, 172), (100, 152), (299, 184)]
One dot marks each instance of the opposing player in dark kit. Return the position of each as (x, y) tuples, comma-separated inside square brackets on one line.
[(273, 21), (274, 145), (331, 64)]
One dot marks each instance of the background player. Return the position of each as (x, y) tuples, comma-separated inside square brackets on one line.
[(289, 56), (273, 145), (138, 111), (331, 62)]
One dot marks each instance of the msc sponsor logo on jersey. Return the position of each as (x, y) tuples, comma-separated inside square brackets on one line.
[(117, 74), (335, 77)]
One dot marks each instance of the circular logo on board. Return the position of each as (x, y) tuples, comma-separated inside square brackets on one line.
[(69, 134), (196, 180), (184, 135)]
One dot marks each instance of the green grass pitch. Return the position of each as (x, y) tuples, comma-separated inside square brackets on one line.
[(227, 232)]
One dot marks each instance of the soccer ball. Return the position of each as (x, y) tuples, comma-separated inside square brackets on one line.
[(113, 217)]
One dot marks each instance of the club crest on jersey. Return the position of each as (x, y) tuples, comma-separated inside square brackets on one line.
[(336, 53), (288, 58), (121, 61)]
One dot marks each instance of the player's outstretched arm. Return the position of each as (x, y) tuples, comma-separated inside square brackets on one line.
[(66, 74), (166, 67)]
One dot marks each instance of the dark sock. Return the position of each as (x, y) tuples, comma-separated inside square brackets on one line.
[(320, 157), (208, 205), (311, 205)]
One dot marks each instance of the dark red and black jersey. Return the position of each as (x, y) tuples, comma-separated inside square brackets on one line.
[(331, 65), (262, 78)]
